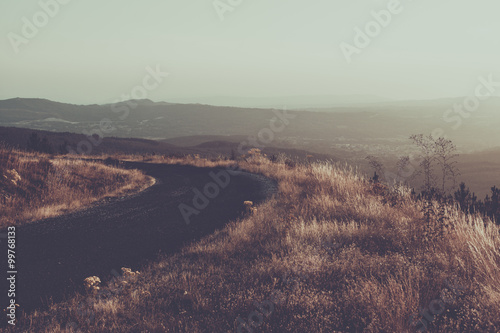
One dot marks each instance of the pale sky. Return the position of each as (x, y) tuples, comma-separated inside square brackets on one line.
[(94, 51)]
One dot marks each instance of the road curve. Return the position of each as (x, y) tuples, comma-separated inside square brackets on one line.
[(55, 255)]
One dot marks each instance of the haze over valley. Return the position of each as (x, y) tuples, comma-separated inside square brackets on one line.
[(347, 134)]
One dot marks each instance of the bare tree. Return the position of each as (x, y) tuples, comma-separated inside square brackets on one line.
[(427, 156), (375, 164), (445, 157)]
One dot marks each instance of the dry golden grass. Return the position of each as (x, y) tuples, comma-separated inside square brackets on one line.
[(331, 252), (34, 186)]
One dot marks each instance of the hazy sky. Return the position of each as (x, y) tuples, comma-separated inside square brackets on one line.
[(94, 51)]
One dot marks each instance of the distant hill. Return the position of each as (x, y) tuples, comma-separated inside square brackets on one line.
[(388, 123), (59, 142), (291, 102), (194, 140), (19, 137), (353, 130)]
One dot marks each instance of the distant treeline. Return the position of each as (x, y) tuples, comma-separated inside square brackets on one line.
[(469, 202)]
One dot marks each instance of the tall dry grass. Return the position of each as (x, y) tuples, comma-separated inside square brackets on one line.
[(34, 186), (331, 252)]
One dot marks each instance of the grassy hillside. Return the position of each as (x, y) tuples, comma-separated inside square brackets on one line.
[(331, 252), (35, 186)]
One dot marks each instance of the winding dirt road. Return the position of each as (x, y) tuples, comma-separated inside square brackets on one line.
[(55, 255)]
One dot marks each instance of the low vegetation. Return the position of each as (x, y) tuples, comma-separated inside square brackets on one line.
[(35, 185), (436, 168), (331, 252)]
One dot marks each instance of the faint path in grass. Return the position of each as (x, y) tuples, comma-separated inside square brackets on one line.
[(55, 255)]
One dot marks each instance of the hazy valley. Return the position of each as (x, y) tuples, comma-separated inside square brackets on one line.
[(345, 134)]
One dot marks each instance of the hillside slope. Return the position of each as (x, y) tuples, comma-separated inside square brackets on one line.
[(330, 253), (34, 186)]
